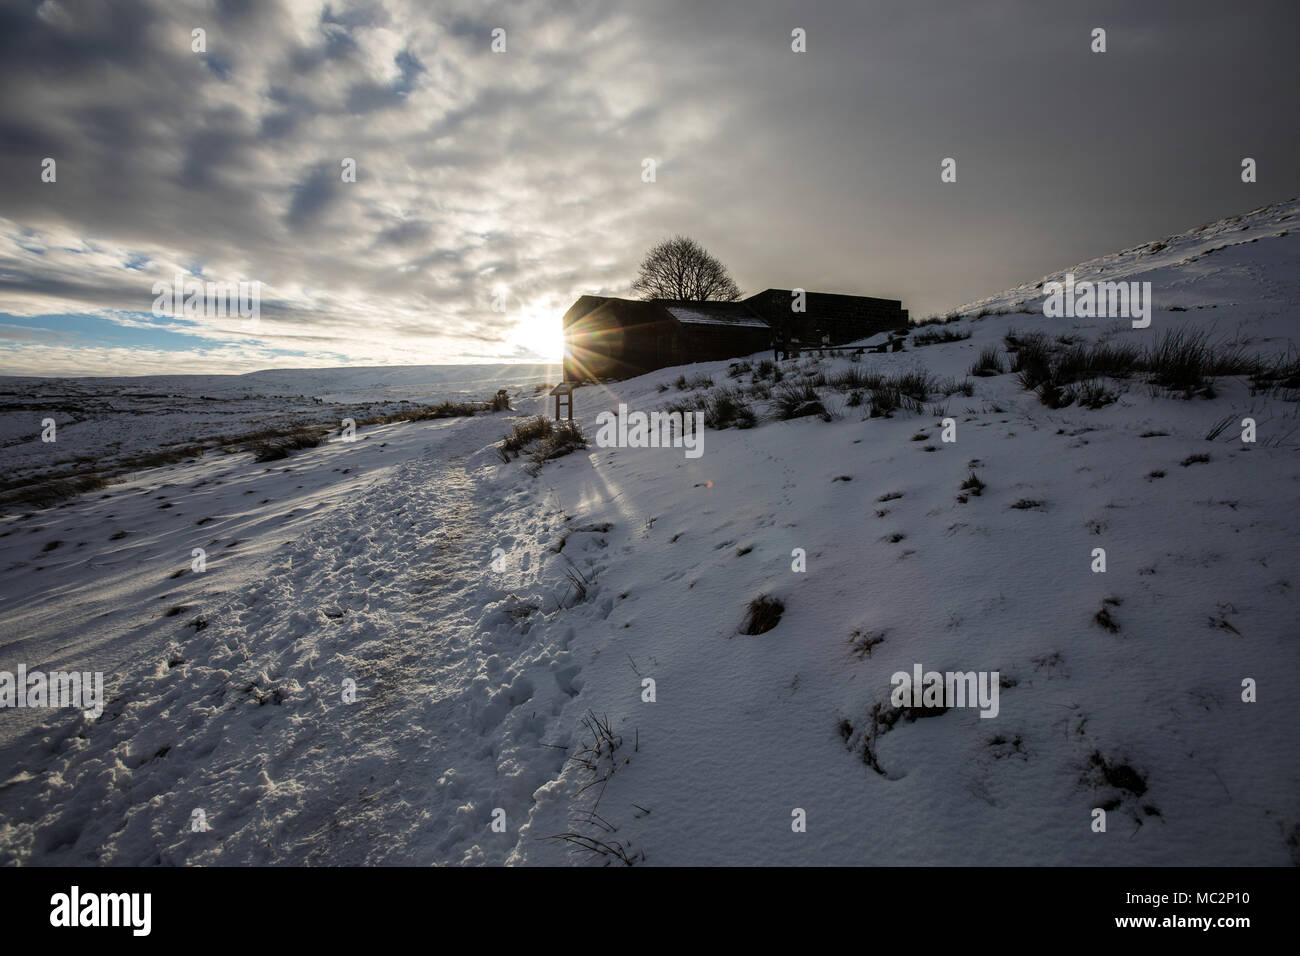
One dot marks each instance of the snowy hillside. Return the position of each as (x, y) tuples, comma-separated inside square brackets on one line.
[(1187, 272), (501, 621)]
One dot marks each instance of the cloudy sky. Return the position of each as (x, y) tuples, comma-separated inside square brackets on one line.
[(514, 179)]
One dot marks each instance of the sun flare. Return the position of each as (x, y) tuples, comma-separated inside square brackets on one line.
[(540, 332)]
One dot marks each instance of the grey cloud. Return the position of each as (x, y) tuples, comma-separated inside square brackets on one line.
[(409, 233), (523, 169), (313, 193)]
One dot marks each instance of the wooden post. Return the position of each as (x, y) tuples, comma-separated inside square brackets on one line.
[(563, 396)]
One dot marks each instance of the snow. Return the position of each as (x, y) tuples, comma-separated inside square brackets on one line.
[(374, 561), (1180, 267), (695, 317), (103, 420), (880, 338)]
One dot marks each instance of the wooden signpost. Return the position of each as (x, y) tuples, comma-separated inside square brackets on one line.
[(563, 394)]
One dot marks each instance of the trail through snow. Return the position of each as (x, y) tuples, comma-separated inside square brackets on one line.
[(393, 590)]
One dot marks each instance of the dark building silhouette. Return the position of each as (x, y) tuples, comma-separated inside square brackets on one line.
[(609, 338)]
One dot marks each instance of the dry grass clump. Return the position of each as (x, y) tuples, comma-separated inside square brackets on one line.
[(762, 614), (543, 440)]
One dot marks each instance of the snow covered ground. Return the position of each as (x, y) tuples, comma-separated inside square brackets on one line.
[(102, 421), (500, 626)]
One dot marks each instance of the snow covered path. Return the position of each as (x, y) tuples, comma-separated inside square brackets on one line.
[(244, 718)]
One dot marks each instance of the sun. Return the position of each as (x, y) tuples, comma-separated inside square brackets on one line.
[(538, 330)]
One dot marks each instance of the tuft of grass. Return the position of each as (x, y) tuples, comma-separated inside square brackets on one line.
[(449, 410), (596, 848), (938, 319), (937, 336), (973, 485), (1077, 362), (283, 445), (886, 393), (797, 401), (1091, 394), (1104, 618), (1034, 343), (1194, 460), (916, 385), (861, 643), (578, 585), (762, 614), (883, 404), (1219, 427), (700, 381), (1051, 371), (1281, 378), (1121, 776), (726, 407), (854, 378), (1186, 360), (524, 433), (564, 439), (543, 439), (47, 492), (989, 363)]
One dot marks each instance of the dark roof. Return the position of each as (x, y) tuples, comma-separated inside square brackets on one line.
[(770, 307), (774, 304), (585, 304), (712, 305), (712, 312)]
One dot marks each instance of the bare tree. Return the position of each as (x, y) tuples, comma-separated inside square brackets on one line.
[(680, 268)]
